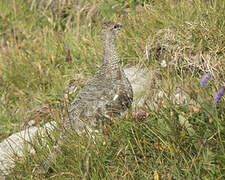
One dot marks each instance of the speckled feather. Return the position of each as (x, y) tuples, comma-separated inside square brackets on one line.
[(108, 94), (105, 97)]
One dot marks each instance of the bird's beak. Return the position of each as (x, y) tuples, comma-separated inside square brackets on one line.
[(119, 32), (120, 25)]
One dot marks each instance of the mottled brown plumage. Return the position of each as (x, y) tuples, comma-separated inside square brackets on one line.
[(105, 97), (108, 94)]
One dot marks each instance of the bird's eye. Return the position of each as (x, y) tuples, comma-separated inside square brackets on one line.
[(116, 26)]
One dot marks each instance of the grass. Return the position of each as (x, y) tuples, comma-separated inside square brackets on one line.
[(188, 35)]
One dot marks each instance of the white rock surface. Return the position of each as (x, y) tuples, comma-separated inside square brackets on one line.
[(139, 80), (14, 145)]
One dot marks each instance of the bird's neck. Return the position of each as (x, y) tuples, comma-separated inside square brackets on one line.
[(110, 55)]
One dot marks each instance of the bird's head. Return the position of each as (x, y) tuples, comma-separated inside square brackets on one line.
[(110, 31)]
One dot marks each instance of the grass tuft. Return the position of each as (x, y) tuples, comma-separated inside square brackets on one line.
[(177, 41)]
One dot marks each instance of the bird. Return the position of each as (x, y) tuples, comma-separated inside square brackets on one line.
[(105, 97)]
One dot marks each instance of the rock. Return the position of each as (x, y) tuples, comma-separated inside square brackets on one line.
[(14, 146)]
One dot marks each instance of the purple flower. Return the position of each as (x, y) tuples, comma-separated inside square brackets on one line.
[(115, 6), (41, 70), (66, 47), (205, 78), (140, 114), (219, 94)]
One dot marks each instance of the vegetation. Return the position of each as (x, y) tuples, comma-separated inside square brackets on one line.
[(175, 140)]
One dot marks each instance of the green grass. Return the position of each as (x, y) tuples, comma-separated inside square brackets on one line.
[(33, 71)]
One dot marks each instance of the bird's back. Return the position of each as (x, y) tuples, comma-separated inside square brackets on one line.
[(102, 99)]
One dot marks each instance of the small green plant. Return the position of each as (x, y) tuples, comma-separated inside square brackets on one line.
[(174, 141)]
